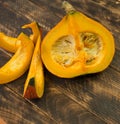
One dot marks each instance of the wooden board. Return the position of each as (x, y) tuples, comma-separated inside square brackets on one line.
[(92, 99)]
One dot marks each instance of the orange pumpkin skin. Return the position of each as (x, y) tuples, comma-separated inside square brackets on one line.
[(78, 30)]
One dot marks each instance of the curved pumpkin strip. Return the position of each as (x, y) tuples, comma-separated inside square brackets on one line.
[(20, 61)]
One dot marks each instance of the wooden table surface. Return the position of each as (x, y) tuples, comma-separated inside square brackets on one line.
[(89, 99)]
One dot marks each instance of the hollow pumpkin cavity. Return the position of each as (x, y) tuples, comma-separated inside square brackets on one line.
[(65, 52)]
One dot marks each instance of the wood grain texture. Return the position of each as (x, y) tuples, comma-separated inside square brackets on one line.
[(94, 92), (14, 109), (113, 5), (92, 99)]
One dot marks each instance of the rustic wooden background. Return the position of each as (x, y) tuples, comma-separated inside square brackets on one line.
[(90, 99)]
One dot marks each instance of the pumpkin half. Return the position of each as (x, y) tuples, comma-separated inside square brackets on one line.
[(77, 45)]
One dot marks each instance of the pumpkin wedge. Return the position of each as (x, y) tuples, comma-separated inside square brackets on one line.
[(34, 85), (19, 62), (77, 45)]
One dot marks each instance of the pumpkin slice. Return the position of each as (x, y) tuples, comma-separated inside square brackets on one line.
[(34, 85), (77, 45), (19, 62)]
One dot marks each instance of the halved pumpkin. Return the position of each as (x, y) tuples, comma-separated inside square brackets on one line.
[(77, 45)]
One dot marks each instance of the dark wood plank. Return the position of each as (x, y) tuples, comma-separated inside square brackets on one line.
[(10, 22), (32, 12), (85, 99), (116, 60), (14, 109), (4, 57), (113, 5), (96, 93), (63, 109)]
